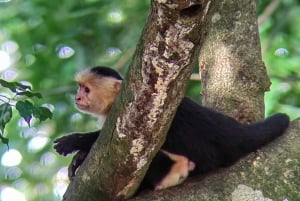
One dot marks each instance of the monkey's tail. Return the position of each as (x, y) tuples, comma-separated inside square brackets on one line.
[(261, 133)]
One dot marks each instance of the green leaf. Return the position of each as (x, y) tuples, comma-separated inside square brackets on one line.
[(14, 86), (4, 140), (42, 113), (8, 85), (5, 115), (25, 109), (29, 94)]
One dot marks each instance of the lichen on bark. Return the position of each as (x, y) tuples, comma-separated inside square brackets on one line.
[(234, 77)]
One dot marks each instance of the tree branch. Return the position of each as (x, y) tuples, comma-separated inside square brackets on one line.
[(271, 174)]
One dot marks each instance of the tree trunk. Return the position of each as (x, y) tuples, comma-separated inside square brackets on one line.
[(142, 113), (233, 74)]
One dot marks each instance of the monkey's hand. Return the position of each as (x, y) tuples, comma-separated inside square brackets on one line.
[(75, 142), (75, 163), (67, 144)]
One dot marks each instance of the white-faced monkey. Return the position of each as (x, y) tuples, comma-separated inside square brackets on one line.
[(199, 139)]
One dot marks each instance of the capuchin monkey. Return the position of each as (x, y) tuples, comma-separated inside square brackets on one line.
[(199, 140)]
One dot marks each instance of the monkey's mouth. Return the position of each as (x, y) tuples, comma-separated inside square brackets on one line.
[(81, 107)]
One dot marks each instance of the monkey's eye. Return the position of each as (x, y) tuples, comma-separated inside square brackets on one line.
[(86, 90)]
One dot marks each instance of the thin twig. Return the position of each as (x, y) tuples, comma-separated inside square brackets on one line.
[(278, 25), (58, 91), (268, 12), (125, 58)]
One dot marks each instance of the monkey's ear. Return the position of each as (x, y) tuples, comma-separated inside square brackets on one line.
[(117, 85)]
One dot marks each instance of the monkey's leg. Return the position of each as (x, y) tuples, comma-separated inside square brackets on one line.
[(77, 160)]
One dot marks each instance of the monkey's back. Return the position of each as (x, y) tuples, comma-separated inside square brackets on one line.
[(212, 140)]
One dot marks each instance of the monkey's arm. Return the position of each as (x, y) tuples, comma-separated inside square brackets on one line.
[(75, 142)]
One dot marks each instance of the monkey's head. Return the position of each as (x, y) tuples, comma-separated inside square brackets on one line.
[(97, 89)]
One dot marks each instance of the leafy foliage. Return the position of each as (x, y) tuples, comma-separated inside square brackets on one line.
[(14, 86), (5, 117), (280, 41), (25, 108)]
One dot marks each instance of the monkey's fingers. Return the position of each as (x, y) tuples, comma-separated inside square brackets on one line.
[(75, 142), (64, 145), (75, 163)]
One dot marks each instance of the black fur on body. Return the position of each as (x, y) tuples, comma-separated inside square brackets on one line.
[(208, 138), (213, 140)]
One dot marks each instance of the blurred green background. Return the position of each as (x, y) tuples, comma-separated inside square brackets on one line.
[(43, 43)]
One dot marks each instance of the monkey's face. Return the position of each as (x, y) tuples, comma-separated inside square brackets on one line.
[(83, 99), (96, 95)]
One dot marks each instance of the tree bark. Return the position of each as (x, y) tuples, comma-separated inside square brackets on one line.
[(271, 174), (233, 75), (142, 113)]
